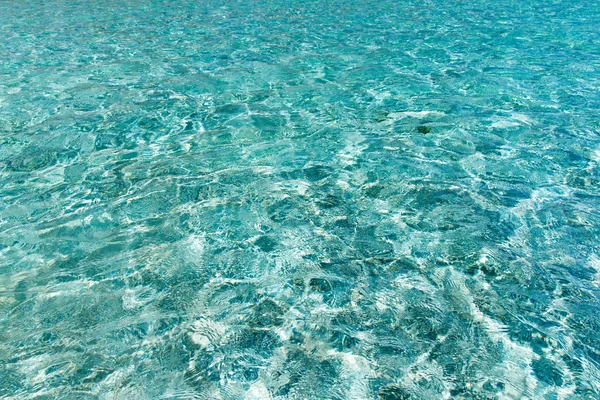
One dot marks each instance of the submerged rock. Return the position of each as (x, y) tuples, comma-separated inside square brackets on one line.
[(424, 129)]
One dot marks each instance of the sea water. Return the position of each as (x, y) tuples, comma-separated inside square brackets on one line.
[(333, 199)]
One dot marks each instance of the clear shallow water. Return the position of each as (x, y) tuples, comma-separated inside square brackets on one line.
[(299, 200)]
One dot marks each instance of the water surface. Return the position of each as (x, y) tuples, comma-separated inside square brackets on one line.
[(299, 199)]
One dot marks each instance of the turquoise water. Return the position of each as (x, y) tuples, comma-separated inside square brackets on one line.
[(299, 199)]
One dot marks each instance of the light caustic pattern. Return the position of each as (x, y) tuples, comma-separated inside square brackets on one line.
[(299, 199)]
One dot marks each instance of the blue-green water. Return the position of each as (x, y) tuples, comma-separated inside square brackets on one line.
[(299, 199)]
